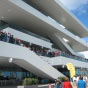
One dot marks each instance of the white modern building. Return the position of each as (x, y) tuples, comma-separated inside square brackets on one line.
[(38, 38)]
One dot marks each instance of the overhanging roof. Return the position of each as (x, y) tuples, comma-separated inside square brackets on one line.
[(56, 10), (14, 14)]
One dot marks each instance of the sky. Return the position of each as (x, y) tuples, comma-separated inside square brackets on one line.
[(80, 9)]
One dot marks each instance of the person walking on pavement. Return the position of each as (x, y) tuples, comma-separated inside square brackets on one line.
[(81, 83), (59, 84), (55, 86), (67, 84)]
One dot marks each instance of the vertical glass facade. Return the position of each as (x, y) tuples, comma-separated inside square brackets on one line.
[(81, 71), (7, 73)]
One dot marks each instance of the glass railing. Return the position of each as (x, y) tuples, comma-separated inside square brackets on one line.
[(73, 57), (27, 32), (60, 53), (4, 26), (23, 30)]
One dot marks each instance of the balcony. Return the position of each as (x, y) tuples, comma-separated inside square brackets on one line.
[(27, 59)]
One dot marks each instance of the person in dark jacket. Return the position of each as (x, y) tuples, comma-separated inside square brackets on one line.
[(11, 39)]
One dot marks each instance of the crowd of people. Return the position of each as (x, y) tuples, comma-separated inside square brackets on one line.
[(76, 78), (80, 83), (8, 37)]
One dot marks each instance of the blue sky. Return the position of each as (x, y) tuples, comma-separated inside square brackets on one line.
[(79, 8)]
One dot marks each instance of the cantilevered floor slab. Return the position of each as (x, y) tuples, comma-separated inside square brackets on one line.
[(60, 60), (19, 13), (27, 59), (60, 13)]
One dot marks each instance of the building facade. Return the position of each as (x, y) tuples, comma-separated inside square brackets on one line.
[(37, 39)]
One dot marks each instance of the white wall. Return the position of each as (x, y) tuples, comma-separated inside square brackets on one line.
[(29, 9), (28, 38), (28, 60), (60, 60)]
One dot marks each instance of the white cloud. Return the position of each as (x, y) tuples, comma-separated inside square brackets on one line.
[(85, 53), (74, 4)]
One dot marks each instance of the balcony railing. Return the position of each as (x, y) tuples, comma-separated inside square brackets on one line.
[(23, 30)]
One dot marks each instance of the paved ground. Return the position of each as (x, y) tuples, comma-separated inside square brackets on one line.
[(40, 86)]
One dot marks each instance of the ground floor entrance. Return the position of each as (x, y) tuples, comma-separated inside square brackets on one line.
[(15, 75), (79, 71)]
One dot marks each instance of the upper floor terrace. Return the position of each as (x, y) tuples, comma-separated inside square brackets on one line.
[(20, 13), (56, 10), (40, 50)]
